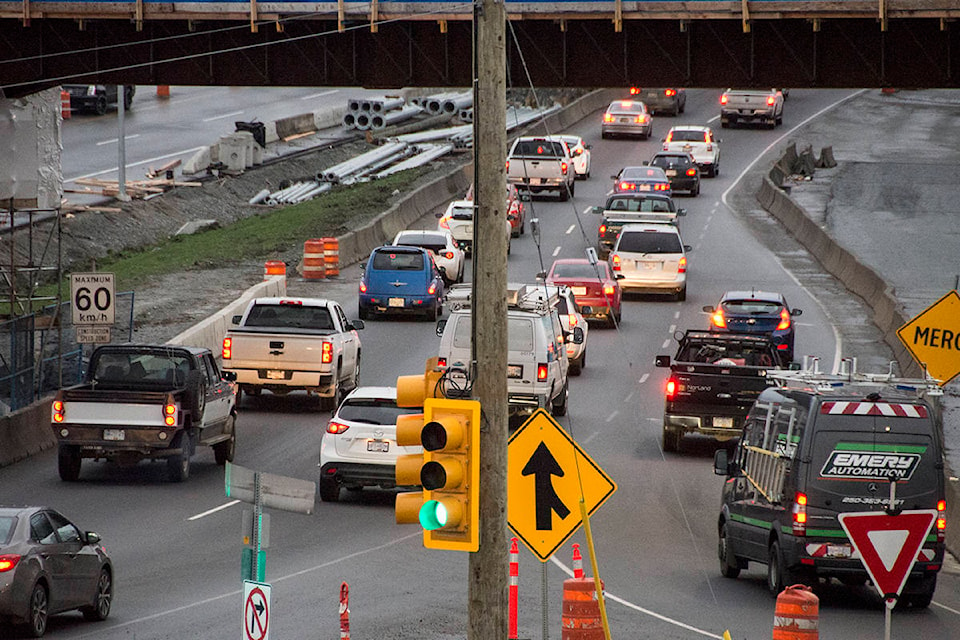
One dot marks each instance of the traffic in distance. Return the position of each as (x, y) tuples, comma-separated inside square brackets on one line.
[(735, 379)]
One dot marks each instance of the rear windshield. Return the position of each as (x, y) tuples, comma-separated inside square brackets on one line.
[(519, 334), (751, 307), (398, 261), (645, 205), (539, 148), (7, 524), (649, 242), (627, 106), (164, 369), (374, 410), (688, 136), (642, 173), (289, 316), (666, 161), (462, 213), (579, 270), (734, 354), (436, 247)]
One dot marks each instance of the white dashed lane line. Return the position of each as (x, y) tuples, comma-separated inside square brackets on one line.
[(115, 140), (666, 343), (629, 397), (214, 510), (676, 315), (320, 95), (612, 416), (570, 230), (556, 252), (673, 329), (221, 117), (643, 378)]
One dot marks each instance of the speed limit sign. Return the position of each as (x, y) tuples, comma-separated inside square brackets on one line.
[(92, 298)]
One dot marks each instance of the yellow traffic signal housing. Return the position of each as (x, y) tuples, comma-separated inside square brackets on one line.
[(413, 390), (448, 470)]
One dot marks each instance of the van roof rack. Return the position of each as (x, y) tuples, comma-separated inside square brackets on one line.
[(848, 376), (526, 297)]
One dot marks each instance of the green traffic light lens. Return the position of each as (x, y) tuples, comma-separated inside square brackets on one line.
[(433, 515)]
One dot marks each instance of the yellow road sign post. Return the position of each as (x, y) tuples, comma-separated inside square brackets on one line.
[(933, 338), (547, 475)]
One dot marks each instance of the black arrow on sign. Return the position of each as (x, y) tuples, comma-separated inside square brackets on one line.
[(259, 607), (543, 465)]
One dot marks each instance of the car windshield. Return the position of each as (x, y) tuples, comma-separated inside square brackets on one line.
[(751, 307), (688, 136), (138, 367), (373, 410), (647, 205), (649, 242), (7, 524), (583, 270), (289, 316), (398, 261)]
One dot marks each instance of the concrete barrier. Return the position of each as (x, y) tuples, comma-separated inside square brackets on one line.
[(25, 432)]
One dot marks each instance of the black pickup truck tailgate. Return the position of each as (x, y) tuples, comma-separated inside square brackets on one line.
[(709, 389)]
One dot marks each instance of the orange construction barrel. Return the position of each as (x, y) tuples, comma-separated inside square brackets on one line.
[(163, 91), (331, 256), (65, 104), (274, 268), (581, 610), (313, 268), (797, 616)]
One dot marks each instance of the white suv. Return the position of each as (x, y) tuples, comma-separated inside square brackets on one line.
[(571, 317), (700, 143), (650, 258), (537, 366), (359, 447)]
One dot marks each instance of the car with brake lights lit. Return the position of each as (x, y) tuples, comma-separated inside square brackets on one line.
[(699, 142), (595, 289), (650, 258), (626, 117), (642, 179), (662, 100), (580, 153), (753, 311), (447, 254), (681, 170), (398, 279)]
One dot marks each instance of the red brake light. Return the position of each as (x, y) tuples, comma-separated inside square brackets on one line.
[(441, 362), (608, 290), (336, 428), (572, 319), (723, 99), (444, 223), (784, 320), (432, 289), (627, 186), (8, 561), (508, 165), (670, 92), (691, 171), (169, 412), (602, 230), (542, 372), (363, 287), (448, 255), (800, 514), (326, 353), (616, 262), (227, 351), (669, 137), (718, 320), (608, 117), (682, 265), (661, 187), (941, 519), (771, 100), (563, 168), (634, 90), (671, 388)]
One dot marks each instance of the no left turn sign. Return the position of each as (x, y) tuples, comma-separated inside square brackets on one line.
[(256, 610)]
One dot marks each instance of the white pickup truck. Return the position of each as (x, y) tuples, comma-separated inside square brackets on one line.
[(541, 163), (294, 344), (762, 106)]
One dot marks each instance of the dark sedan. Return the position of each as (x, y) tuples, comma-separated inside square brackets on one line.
[(763, 312), (47, 566), (681, 170)]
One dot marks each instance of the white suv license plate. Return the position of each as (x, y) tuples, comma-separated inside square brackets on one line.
[(723, 423), (379, 446), (114, 434)]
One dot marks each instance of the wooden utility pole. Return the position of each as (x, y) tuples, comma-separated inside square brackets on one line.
[(489, 579)]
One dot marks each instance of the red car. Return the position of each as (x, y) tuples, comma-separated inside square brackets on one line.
[(601, 294), (516, 212)]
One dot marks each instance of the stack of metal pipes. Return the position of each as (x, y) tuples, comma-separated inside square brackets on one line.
[(377, 112)]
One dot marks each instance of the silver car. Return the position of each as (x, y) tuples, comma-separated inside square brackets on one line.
[(627, 117), (47, 566), (650, 258)]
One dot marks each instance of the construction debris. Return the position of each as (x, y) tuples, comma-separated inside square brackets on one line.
[(134, 188)]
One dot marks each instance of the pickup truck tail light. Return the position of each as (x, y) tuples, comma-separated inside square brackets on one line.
[(227, 350), (717, 319), (542, 372), (58, 410), (723, 99), (784, 320), (771, 100), (563, 168), (616, 262), (682, 265), (448, 255), (336, 428), (572, 320), (432, 289), (8, 561), (671, 388), (441, 362), (602, 230), (800, 514), (326, 353), (941, 519), (169, 412)]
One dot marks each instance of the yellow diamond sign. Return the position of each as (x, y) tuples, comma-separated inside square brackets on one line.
[(547, 473), (933, 338)]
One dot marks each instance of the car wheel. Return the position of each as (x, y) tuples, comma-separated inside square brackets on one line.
[(681, 295), (178, 466), (223, 452), (564, 193), (671, 440), (729, 567), (921, 599), (333, 401), (39, 612), (101, 106), (196, 396), (778, 576), (239, 396), (329, 490), (127, 100), (69, 462), (560, 402), (364, 313), (695, 191), (725, 125), (604, 135), (523, 225), (102, 601), (576, 366), (356, 373), (434, 312)]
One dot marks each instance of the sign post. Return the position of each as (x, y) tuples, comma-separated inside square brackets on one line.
[(933, 338)]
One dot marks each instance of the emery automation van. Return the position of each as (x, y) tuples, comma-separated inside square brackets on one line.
[(809, 452)]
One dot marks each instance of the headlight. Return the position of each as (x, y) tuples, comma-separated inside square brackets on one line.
[(91, 89)]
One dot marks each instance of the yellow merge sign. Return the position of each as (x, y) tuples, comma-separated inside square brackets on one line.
[(933, 338), (547, 472)]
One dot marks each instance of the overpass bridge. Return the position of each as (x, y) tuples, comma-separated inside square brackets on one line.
[(391, 43)]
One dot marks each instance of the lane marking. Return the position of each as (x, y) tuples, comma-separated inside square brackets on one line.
[(233, 594), (643, 378), (666, 343), (612, 416), (672, 329), (590, 437), (134, 164), (713, 119), (570, 230), (221, 117), (945, 607), (556, 251), (629, 397), (836, 332), (635, 607), (676, 316), (116, 140), (214, 510), (321, 94)]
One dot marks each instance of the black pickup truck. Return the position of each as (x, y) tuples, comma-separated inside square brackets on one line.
[(627, 208), (714, 379)]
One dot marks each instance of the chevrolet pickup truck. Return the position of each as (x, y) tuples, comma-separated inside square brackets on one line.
[(751, 106), (628, 208), (541, 163), (294, 344), (145, 402), (714, 380)]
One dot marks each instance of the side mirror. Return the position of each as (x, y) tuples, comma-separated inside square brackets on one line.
[(229, 376), (687, 248), (645, 163), (663, 139), (618, 276), (595, 210), (356, 324), (796, 312), (588, 146), (91, 537), (236, 319), (794, 366), (662, 361), (617, 177), (708, 308), (721, 465), (681, 212), (578, 335), (441, 325), (541, 275), (438, 214)]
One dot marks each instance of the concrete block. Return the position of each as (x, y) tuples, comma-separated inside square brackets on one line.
[(293, 125), (198, 163), (329, 117), (197, 225)]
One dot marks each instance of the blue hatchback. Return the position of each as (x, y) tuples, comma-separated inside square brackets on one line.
[(763, 312), (401, 279)]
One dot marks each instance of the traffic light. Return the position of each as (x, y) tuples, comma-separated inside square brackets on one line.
[(448, 470)]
